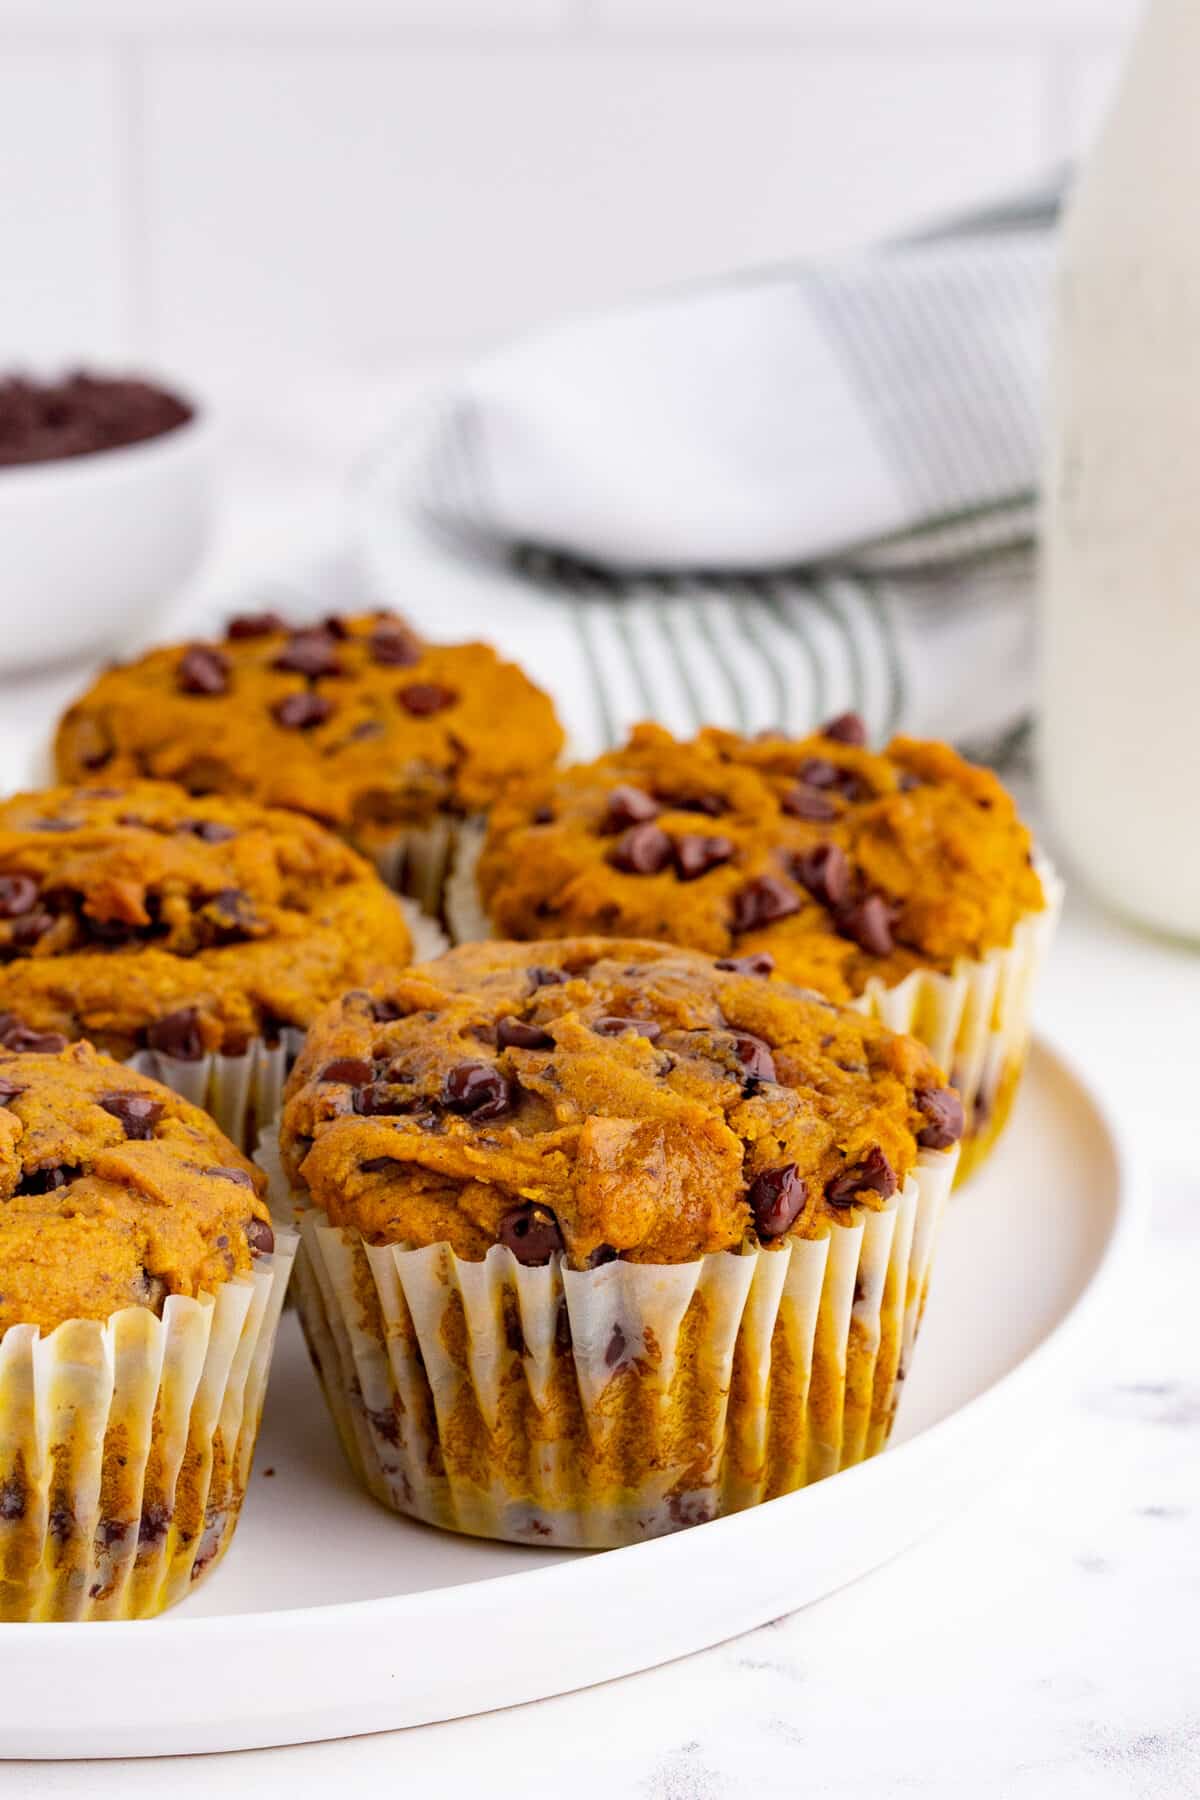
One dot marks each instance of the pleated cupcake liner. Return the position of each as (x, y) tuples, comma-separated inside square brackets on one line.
[(603, 1407), (243, 1093), (417, 862), (126, 1446), (976, 1022)]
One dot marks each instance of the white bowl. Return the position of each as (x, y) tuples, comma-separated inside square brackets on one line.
[(93, 547)]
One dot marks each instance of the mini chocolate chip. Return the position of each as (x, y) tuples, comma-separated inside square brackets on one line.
[(311, 652), (376, 1098), (642, 850), (542, 815), (300, 712), (825, 872), (379, 1165), (201, 670), (761, 963), (420, 698), (847, 728), (18, 894), (874, 1173), (260, 1237), (254, 625), (542, 977), (9, 1090), (613, 1026), (696, 854), (818, 772), (867, 923), (385, 1011), (354, 1069), (28, 930), (48, 1180), (614, 1350), (711, 805), (515, 1034), (944, 1111), (240, 1176), (209, 831), (23, 1039), (628, 806), (138, 1113), (478, 1089), (395, 646), (532, 1233), (603, 1253), (803, 802), (754, 1056), (776, 1197), (177, 1034), (762, 901), (336, 626)]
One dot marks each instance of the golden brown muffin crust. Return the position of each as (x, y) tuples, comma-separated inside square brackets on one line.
[(357, 722), (114, 1192), (609, 1098), (135, 913), (843, 863)]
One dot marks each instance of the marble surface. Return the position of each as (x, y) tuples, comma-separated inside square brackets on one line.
[(1043, 1644)]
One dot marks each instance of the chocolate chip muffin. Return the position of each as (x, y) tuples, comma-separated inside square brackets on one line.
[(900, 881), (606, 1237), (141, 1288), (357, 722), (199, 937)]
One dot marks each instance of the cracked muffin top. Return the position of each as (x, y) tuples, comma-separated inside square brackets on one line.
[(357, 722), (114, 1192), (136, 916), (603, 1099), (841, 862)]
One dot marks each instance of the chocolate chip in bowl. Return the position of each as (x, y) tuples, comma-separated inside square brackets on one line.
[(105, 510)]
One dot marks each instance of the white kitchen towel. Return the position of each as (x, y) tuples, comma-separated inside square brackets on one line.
[(760, 499)]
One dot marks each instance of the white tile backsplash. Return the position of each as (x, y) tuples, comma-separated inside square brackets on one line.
[(949, 20), (334, 186), (63, 278), (350, 206)]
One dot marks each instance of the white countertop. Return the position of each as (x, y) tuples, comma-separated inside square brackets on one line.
[(1043, 1644)]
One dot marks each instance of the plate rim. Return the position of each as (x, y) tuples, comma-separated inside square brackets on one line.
[(1130, 1214)]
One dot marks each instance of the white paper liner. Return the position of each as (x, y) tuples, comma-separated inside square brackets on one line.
[(416, 861), (243, 1093), (599, 1408), (125, 1447), (975, 1022)]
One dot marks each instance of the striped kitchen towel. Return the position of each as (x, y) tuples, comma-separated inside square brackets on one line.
[(755, 502)]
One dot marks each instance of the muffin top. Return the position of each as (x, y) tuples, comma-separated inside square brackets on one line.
[(114, 1192), (603, 1099), (841, 862), (135, 915), (356, 722)]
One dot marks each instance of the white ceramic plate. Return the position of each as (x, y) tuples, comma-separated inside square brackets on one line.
[(330, 1616)]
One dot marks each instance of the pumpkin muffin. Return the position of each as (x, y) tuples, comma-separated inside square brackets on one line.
[(357, 722), (899, 881), (198, 937), (141, 1288), (603, 1238)]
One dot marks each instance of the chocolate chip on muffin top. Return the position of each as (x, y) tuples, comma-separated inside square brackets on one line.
[(136, 915), (603, 1098), (356, 721), (842, 863), (114, 1192)]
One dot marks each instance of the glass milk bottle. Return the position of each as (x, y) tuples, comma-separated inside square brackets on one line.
[(1121, 573)]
